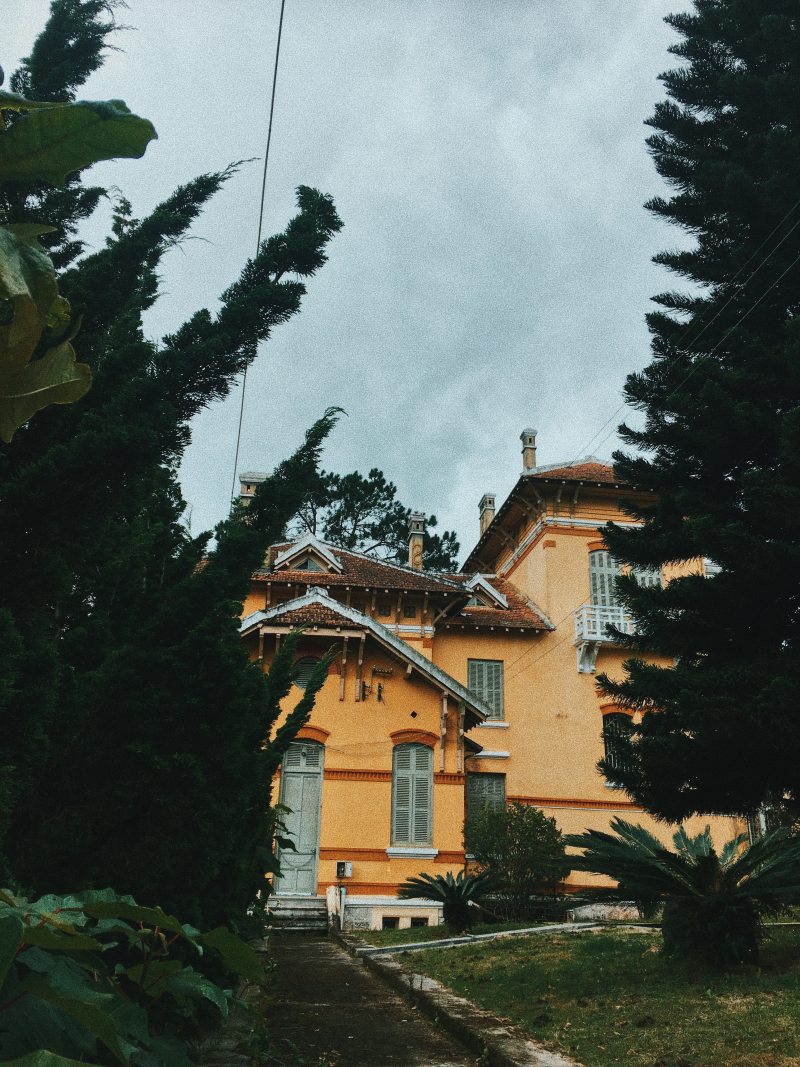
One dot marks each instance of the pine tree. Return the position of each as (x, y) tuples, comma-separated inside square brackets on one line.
[(720, 443), (133, 726), (363, 514)]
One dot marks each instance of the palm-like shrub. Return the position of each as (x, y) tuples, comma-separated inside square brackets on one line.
[(713, 902), (459, 895)]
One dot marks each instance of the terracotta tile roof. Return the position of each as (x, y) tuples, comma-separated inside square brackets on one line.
[(313, 615), (521, 613), (357, 570), (586, 471)]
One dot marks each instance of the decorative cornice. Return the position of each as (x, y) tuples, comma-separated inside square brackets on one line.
[(345, 774), (365, 854), (449, 778), (414, 737), (312, 733)]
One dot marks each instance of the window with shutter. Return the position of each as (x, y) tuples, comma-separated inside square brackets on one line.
[(485, 791), (603, 572), (485, 680), (616, 727), (412, 795)]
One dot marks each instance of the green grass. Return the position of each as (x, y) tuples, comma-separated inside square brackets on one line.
[(430, 933), (610, 999)]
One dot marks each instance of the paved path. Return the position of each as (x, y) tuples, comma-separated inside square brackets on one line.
[(334, 1011)]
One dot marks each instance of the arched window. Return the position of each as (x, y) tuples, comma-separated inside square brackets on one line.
[(412, 795), (603, 572), (303, 669), (616, 729)]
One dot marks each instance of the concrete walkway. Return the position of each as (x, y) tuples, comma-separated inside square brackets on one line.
[(334, 1012)]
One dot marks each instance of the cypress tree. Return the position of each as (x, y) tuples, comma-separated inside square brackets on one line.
[(133, 729), (720, 442)]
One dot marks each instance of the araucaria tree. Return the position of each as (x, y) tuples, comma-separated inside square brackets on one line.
[(133, 726), (720, 442)]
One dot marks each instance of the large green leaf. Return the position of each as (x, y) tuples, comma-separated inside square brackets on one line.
[(237, 954), (11, 934), (49, 143), (30, 305), (28, 292), (55, 378), (83, 1004), (190, 983)]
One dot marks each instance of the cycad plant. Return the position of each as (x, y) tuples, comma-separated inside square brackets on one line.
[(713, 902), (459, 895)]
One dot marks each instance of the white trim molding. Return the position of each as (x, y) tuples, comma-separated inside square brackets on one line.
[(411, 851), (492, 725), (485, 754)]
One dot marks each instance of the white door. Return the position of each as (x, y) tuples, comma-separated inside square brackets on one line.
[(301, 791)]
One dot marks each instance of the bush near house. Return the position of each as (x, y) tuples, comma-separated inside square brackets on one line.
[(713, 903), (524, 852), (461, 896)]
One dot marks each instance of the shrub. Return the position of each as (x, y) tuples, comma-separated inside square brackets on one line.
[(460, 896), (713, 903), (522, 849), (99, 979)]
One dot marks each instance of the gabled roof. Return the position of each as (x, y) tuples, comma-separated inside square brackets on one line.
[(308, 544), (316, 600), (521, 613), (355, 569), (479, 583)]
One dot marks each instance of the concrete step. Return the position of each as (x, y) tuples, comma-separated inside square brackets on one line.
[(296, 914)]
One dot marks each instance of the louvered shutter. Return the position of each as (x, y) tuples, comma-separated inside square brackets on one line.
[(485, 791), (294, 757), (412, 802), (485, 680), (303, 669), (423, 794), (603, 572)]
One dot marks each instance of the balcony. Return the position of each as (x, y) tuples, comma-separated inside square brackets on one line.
[(592, 630)]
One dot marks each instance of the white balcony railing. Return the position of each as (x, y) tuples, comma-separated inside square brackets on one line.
[(592, 629)]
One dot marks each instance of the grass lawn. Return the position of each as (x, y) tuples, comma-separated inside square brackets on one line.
[(430, 933), (610, 999)]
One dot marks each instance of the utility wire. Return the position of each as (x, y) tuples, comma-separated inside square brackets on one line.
[(260, 226), (680, 385), (693, 340)]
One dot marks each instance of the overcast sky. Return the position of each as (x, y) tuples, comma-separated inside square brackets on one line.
[(488, 161)]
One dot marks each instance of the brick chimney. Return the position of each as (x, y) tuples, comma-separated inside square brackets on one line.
[(416, 538), (486, 508), (248, 480), (528, 438)]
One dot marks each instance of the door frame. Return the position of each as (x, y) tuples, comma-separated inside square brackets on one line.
[(321, 775)]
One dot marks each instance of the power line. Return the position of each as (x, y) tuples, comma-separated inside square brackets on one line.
[(680, 385), (260, 226), (693, 340)]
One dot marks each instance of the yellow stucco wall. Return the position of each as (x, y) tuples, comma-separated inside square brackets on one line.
[(552, 727), (356, 808)]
